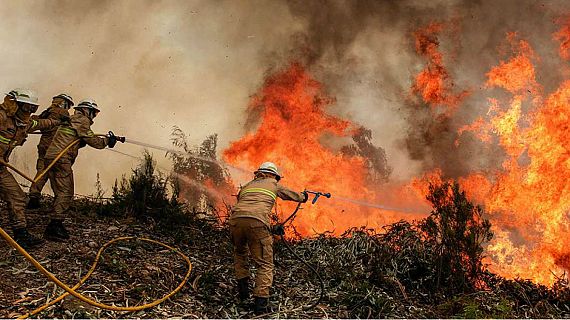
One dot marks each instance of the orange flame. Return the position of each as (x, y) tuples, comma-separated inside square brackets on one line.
[(518, 74), (528, 199), (563, 36), (292, 132), (434, 83)]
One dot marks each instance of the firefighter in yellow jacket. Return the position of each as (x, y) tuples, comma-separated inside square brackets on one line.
[(61, 174), (15, 124), (251, 231), (58, 110)]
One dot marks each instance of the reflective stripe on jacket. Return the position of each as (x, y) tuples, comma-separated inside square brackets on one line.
[(13, 135), (257, 198), (80, 128), (53, 112)]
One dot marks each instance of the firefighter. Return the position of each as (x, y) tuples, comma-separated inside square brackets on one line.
[(61, 174), (15, 124), (251, 231), (59, 109)]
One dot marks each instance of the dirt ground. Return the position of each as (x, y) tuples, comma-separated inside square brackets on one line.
[(133, 273)]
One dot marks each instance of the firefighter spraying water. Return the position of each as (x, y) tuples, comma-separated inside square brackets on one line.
[(61, 174), (251, 231), (62, 138)]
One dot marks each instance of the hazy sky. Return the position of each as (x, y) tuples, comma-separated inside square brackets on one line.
[(152, 65)]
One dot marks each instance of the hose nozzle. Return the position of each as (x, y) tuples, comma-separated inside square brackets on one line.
[(317, 195), (115, 137)]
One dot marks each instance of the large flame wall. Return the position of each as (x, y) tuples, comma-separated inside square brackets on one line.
[(527, 197)]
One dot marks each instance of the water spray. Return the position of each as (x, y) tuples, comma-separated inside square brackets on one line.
[(223, 164), (185, 154), (195, 183), (373, 205)]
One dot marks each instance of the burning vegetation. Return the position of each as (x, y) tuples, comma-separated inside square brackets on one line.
[(525, 130), (480, 230), (433, 267)]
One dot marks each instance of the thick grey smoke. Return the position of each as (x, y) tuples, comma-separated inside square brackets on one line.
[(363, 50), (155, 64)]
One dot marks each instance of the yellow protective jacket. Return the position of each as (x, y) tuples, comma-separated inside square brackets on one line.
[(257, 198), (78, 128), (53, 112), (12, 135)]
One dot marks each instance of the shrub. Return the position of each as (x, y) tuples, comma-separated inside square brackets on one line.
[(144, 193), (456, 230), (197, 174), (441, 254)]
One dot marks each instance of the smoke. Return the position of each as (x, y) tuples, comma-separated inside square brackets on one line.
[(364, 53), (154, 64), (150, 65)]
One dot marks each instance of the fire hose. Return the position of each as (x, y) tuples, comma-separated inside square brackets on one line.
[(280, 226), (71, 291)]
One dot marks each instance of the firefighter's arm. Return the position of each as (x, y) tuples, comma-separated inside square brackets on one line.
[(94, 141), (43, 124), (288, 194)]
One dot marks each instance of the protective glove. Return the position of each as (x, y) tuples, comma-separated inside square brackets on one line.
[(112, 141), (278, 230), (305, 196)]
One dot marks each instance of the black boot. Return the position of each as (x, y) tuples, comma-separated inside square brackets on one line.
[(33, 203), (243, 289), (25, 239), (55, 231), (260, 306)]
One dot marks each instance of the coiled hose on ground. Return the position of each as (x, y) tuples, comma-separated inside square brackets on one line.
[(71, 291)]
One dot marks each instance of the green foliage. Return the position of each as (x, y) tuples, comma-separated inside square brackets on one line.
[(197, 174), (144, 193), (456, 231), (471, 311), (476, 306), (441, 254), (99, 192)]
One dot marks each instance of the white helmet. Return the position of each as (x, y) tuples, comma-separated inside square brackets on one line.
[(269, 167), (66, 97), (88, 104), (25, 96)]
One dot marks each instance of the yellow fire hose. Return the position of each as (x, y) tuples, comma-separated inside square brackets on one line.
[(43, 173), (71, 291)]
